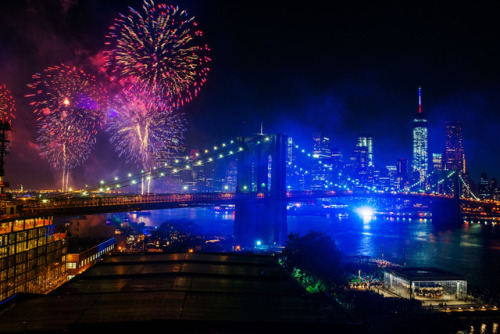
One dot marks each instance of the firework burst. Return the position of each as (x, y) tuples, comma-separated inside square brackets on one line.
[(144, 127), (159, 47), (68, 104), (7, 105)]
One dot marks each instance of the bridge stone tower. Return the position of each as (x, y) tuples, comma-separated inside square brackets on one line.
[(446, 212), (260, 213)]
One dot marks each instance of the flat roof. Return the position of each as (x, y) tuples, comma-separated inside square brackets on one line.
[(425, 274), (187, 291)]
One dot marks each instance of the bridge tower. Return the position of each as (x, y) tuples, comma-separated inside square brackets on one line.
[(260, 213), (446, 212)]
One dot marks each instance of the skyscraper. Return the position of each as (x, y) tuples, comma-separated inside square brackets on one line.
[(420, 164), (321, 148), (322, 151), (367, 142), (359, 163), (484, 186), (454, 155), (437, 162), (401, 174)]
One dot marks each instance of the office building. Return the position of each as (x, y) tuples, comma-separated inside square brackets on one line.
[(420, 164), (367, 142), (402, 173), (454, 155), (484, 186), (32, 256), (437, 162), (320, 173)]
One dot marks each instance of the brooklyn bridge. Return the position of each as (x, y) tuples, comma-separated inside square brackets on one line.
[(260, 199)]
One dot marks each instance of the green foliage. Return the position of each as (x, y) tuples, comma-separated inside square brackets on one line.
[(310, 282)]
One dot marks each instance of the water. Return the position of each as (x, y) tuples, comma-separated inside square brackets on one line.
[(472, 250)]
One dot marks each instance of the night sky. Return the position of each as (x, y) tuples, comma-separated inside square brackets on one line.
[(341, 69)]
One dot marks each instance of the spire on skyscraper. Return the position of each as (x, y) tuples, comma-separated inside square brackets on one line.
[(419, 99)]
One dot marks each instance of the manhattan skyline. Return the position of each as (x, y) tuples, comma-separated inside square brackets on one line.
[(339, 69)]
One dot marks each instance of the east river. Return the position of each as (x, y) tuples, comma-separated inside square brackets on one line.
[(472, 250)]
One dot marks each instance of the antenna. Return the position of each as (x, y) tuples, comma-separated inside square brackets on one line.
[(261, 128), (419, 99)]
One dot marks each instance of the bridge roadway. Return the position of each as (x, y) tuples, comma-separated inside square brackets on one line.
[(95, 204)]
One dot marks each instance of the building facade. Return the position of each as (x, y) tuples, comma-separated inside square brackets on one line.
[(367, 141), (79, 260), (32, 256), (420, 164), (454, 155)]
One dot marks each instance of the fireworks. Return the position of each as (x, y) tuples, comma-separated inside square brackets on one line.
[(7, 105), (143, 126), (64, 143), (68, 104), (159, 47)]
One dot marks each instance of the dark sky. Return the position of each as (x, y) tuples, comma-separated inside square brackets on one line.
[(344, 69)]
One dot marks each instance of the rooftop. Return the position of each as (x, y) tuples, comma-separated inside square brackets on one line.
[(425, 274), (191, 292)]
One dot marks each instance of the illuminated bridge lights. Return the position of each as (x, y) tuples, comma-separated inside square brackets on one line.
[(157, 172)]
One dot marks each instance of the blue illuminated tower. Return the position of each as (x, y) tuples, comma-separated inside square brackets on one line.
[(420, 163), (455, 157)]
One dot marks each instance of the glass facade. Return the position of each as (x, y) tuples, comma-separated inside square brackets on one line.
[(420, 161), (398, 285), (420, 155), (447, 290), (439, 288), (32, 257)]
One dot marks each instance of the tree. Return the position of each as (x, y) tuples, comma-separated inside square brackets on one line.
[(314, 253)]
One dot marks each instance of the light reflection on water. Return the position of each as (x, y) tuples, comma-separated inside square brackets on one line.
[(482, 328), (472, 251)]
